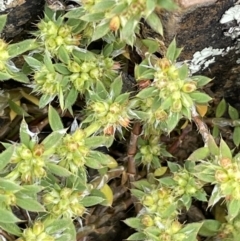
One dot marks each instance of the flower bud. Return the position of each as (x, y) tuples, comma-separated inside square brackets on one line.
[(124, 122), (115, 23), (163, 63), (4, 55), (64, 31), (65, 193), (225, 162), (85, 67), (148, 201), (38, 228), (38, 150), (221, 176), (95, 73), (161, 115), (3, 45), (74, 67), (78, 209), (147, 221), (109, 130), (189, 87), (175, 227), (176, 106)]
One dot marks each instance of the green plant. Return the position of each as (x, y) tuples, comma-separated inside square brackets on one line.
[(55, 179)]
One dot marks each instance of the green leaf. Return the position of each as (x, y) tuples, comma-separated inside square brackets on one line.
[(233, 113), (172, 121), (133, 222), (5, 76), (174, 167), (191, 230), (75, 13), (137, 193), (221, 108), (63, 226), (137, 236), (97, 141), (29, 204), (101, 30), (3, 20), (171, 51), (63, 55), (215, 196), (48, 62), (24, 133), (9, 185), (11, 228), (93, 17), (199, 154), (62, 69), (200, 98), (201, 80), (167, 4), (151, 44), (91, 201), (7, 216), (21, 47), (19, 76), (116, 87), (233, 208), (146, 93), (5, 157), (209, 228), (168, 181), (225, 151), (127, 33), (213, 148), (93, 162), (236, 136), (58, 170), (71, 98), (45, 100), (36, 64), (103, 5), (101, 91), (17, 109), (155, 23), (84, 55), (54, 119), (183, 72), (53, 139)]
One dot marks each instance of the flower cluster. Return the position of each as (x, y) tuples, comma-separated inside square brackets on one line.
[(65, 202), (54, 33), (36, 232), (29, 163)]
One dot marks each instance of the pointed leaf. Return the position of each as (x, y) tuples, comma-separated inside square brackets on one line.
[(171, 51), (58, 170), (221, 108), (30, 204), (54, 119), (5, 157), (155, 23), (199, 154), (225, 150), (108, 194), (3, 20), (7, 216), (11, 228), (91, 201), (233, 113)]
